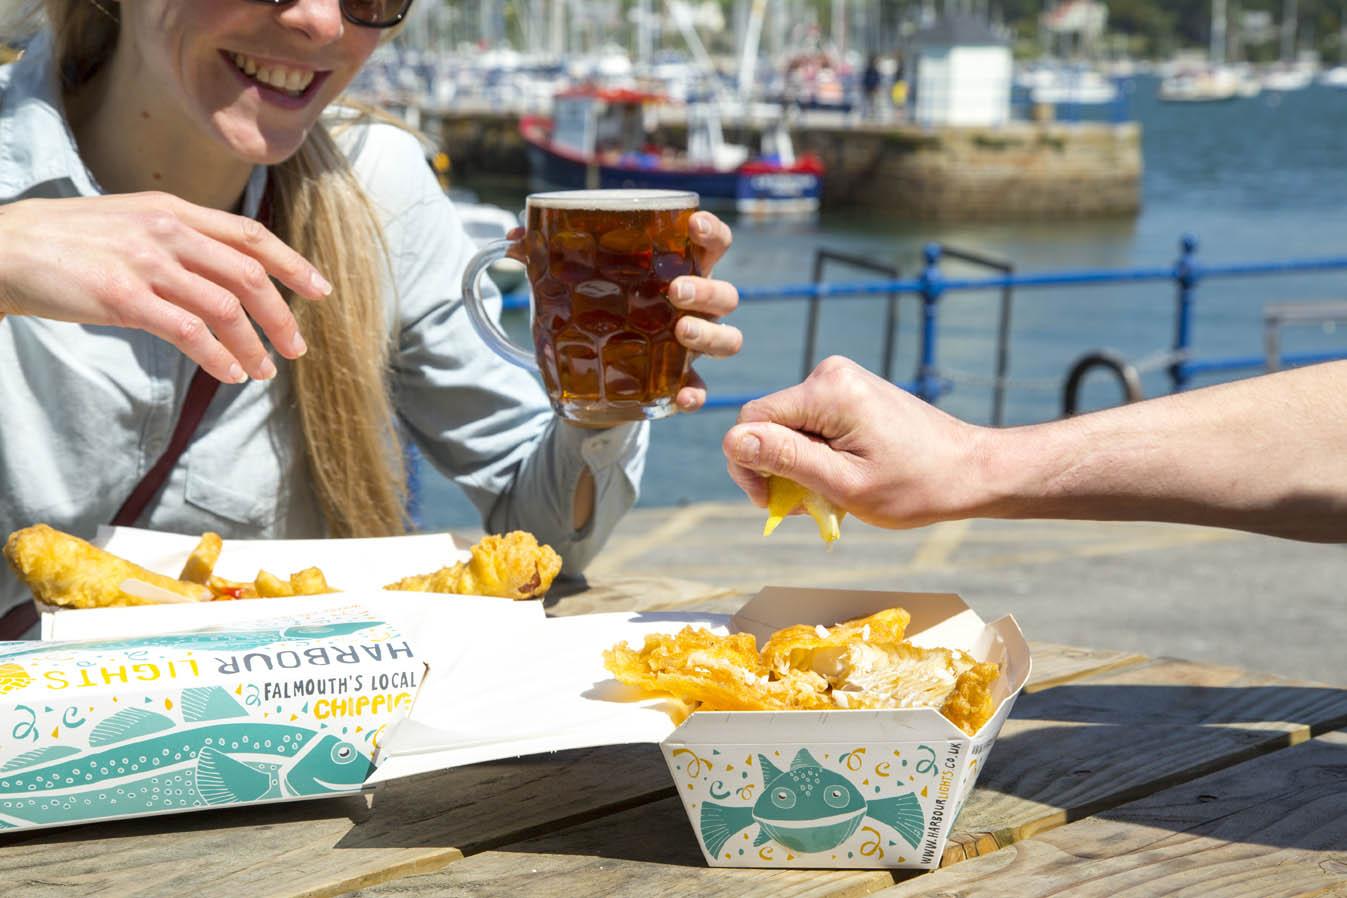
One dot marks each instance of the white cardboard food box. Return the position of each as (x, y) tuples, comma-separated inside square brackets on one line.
[(152, 709), (114, 727), (852, 788)]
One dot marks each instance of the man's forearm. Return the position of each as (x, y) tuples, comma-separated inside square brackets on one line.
[(1267, 454)]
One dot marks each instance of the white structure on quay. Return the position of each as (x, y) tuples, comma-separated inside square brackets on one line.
[(963, 74)]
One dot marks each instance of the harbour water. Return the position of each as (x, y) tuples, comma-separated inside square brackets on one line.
[(1256, 179)]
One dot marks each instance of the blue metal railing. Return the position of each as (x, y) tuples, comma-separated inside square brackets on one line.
[(931, 286)]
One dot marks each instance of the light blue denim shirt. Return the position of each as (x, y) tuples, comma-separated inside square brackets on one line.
[(85, 411)]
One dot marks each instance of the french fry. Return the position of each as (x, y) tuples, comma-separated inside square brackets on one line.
[(201, 563)]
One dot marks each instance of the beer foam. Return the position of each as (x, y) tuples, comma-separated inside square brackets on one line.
[(625, 200)]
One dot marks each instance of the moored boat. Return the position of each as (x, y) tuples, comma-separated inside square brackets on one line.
[(598, 138)]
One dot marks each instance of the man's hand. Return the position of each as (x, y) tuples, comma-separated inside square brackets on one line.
[(867, 446)]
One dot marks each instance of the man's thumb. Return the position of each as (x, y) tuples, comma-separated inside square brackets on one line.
[(772, 449)]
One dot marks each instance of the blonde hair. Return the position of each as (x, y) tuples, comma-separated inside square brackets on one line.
[(341, 386)]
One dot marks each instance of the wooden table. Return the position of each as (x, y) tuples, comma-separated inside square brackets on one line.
[(1117, 775)]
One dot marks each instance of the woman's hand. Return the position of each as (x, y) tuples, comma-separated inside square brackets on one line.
[(707, 300), (196, 277)]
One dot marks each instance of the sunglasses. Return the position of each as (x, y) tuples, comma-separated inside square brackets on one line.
[(369, 13)]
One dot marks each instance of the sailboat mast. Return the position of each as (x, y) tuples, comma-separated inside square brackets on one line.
[(1289, 31), (1218, 31), (748, 57)]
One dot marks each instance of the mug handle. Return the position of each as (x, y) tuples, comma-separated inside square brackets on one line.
[(482, 322)]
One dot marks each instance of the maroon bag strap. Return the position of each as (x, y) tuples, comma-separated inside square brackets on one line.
[(199, 394)]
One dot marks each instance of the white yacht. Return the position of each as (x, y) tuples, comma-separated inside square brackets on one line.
[(1211, 85)]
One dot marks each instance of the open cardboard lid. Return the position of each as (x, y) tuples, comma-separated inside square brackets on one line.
[(416, 615), (554, 693)]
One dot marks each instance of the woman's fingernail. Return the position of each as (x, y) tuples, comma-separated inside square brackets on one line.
[(298, 347), (700, 226), (692, 330), (685, 290), (320, 284), (266, 370), (748, 450), (236, 375)]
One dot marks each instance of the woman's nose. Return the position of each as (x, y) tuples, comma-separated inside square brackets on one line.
[(320, 20)]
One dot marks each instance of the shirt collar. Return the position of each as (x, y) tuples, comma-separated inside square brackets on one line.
[(35, 142)]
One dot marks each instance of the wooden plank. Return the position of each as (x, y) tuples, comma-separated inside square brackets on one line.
[(649, 850), (1071, 751), (327, 847), (1274, 827), (1055, 664), (1078, 748), (638, 593)]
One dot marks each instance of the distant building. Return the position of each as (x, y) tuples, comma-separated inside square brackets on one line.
[(1075, 26), (962, 74)]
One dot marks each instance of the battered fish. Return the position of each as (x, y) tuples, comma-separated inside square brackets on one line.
[(65, 570), (863, 663), (512, 566)]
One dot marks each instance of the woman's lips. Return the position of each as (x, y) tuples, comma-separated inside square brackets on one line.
[(275, 95)]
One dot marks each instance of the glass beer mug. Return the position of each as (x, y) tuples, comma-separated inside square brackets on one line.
[(599, 263)]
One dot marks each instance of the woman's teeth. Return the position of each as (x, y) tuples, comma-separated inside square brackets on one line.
[(292, 81)]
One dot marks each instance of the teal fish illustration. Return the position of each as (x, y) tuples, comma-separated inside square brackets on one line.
[(141, 761), (203, 641), (808, 808)]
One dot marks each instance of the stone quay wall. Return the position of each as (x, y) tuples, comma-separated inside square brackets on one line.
[(1019, 171)]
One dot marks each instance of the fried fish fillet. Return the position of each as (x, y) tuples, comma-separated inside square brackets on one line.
[(905, 676), (512, 566), (857, 664), (721, 673), (813, 648), (65, 570)]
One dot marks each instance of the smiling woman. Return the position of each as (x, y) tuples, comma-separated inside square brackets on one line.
[(226, 299)]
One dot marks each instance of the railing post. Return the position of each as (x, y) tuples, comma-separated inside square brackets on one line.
[(811, 320), (932, 285), (1186, 275)]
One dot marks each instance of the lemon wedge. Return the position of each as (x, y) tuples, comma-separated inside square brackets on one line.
[(785, 495)]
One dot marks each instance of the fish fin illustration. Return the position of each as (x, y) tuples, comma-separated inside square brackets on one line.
[(222, 780), (903, 814), (769, 770), (39, 756), (803, 759), (128, 724), (201, 703), (762, 839), (719, 823), (318, 631)]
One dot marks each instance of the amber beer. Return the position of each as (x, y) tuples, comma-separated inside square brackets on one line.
[(600, 263)]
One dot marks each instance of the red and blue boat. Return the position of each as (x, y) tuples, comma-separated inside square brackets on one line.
[(599, 138)]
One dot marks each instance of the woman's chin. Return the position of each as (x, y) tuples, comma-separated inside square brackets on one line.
[(264, 147)]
